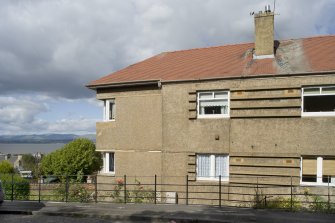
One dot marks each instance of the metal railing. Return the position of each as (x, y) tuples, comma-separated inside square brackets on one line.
[(258, 192)]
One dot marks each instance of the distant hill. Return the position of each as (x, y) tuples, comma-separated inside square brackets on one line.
[(43, 138)]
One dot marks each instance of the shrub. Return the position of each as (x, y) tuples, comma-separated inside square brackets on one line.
[(75, 158), (6, 167), (141, 194), (76, 193), (284, 203), (137, 195), (259, 199), (116, 193), (318, 204)]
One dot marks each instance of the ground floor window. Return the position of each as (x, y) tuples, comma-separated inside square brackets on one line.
[(211, 166), (318, 170), (109, 163)]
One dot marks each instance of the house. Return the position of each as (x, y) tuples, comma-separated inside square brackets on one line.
[(260, 112), (14, 159)]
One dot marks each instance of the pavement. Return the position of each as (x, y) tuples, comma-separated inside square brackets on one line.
[(162, 213)]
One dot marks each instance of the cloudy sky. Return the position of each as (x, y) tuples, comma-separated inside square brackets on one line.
[(49, 49)]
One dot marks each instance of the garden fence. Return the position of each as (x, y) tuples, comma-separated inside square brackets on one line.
[(173, 190)]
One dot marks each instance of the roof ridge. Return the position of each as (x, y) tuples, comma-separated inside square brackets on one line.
[(310, 37), (208, 47), (243, 43)]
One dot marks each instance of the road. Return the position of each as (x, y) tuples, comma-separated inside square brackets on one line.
[(7, 218), (47, 212)]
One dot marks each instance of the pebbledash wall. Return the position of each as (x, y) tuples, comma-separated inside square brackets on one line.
[(157, 131)]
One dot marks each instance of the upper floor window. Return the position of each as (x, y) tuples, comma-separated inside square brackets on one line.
[(109, 110), (318, 101), (211, 166), (214, 104)]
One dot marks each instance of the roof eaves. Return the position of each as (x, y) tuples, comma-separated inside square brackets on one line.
[(124, 84)]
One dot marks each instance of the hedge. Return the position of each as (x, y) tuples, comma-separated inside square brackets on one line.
[(20, 188)]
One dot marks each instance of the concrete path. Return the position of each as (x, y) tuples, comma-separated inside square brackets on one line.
[(162, 213)]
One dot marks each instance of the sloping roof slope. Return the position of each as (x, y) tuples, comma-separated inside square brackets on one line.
[(315, 54)]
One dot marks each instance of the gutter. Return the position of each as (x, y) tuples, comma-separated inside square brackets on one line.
[(126, 84)]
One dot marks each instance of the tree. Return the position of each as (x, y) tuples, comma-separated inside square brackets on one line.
[(29, 162), (75, 158), (6, 167)]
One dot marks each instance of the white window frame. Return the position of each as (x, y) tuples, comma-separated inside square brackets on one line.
[(319, 176), (212, 176), (107, 109), (213, 99), (106, 158), (306, 114)]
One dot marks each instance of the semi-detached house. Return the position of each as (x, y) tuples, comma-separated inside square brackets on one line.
[(264, 109)]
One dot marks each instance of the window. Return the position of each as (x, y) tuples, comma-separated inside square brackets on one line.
[(318, 101), (109, 110), (109, 162), (210, 167), (318, 170), (213, 104)]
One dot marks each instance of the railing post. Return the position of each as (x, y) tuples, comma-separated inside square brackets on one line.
[(257, 195), (328, 196), (12, 197), (66, 188), (291, 196), (39, 188), (186, 190), (220, 191), (125, 188), (96, 189), (155, 189), (228, 193)]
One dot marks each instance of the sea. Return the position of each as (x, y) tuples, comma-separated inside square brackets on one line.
[(23, 148)]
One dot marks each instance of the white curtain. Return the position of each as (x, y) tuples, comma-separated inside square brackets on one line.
[(213, 103), (203, 165), (221, 166)]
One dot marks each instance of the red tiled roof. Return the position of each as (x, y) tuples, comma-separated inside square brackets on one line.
[(315, 54)]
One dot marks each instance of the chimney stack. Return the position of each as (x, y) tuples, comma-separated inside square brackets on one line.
[(264, 28)]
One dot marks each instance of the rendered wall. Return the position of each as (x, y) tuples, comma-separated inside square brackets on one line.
[(136, 134), (264, 136), (138, 122)]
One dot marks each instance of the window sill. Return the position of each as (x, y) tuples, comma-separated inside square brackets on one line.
[(211, 179), (317, 114), (316, 184), (107, 174), (212, 116)]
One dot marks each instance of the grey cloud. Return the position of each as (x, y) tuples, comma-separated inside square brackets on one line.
[(56, 47), (81, 126), (20, 114), (16, 111)]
